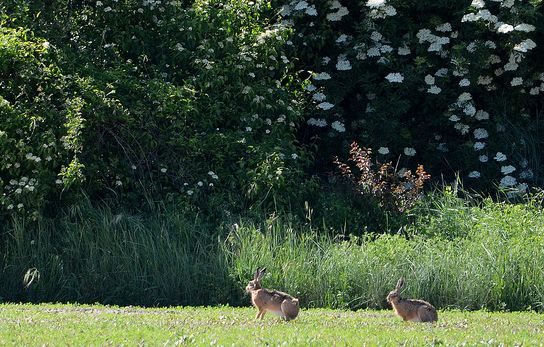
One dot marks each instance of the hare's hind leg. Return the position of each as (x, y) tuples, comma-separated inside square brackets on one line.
[(289, 310), (261, 313), (427, 314)]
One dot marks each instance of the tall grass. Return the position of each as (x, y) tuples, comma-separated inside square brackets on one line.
[(494, 262), (458, 255), (91, 254)]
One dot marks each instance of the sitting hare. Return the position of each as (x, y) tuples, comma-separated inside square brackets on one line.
[(279, 303), (409, 309)]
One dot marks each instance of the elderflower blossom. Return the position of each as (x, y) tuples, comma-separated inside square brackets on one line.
[(469, 17), (481, 115), (301, 6), (525, 45), (442, 72), (337, 16), (516, 81), (504, 28), (526, 174), (463, 128), (483, 158), (474, 174), (500, 156), (404, 50), (376, 36), (338, 126), (395, 77), (375, 3), (317, 122), (524, 27), (454, 118), (478, 3), (480, 133), (507, 3), (464, 82), (507, 169), (383, 150), (322, 76), (446, 27), (342, 38), (325, 106), (409, 151), (343, 64), (464, 97), (434, 89), (469, 110), (508, 181), (429, 79), (319, 97), (479, 146), (311, 10), (485, 80)]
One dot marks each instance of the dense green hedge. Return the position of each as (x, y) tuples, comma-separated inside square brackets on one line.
[(173, 102)]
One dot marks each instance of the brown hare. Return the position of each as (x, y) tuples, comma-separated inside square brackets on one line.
[(409, 309), (279, 303)]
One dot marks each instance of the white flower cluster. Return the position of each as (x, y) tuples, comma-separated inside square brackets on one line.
[(436, 42), (379, 9), (325, 106), (383, 150), (395, 77), (525, 46), (483, 15), (24, 184), (33, 158), (409, 151), (322, 76), (338, 126), (341, 11), (320, 123), (343, 64)]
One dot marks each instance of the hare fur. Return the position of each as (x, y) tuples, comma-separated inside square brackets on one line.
[(410, 309), (279, 303)]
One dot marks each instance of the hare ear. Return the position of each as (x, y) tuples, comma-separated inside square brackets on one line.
[(261, 273), (256, 274), (400, 284)]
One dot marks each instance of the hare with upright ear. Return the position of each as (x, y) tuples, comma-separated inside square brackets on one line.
[(410, 309), (279, 303)]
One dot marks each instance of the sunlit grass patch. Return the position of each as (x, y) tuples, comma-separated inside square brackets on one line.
[(57, 324)]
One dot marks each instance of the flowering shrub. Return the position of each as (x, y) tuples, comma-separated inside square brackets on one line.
[(173, 100), (456, 85), (40, 124)]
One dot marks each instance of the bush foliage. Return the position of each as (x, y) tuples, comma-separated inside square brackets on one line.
[(206, 102), (173, 102)]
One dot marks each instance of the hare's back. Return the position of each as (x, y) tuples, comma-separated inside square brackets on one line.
[(277, 296)]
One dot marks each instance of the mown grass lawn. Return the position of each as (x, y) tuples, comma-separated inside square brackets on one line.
[(51, 325)]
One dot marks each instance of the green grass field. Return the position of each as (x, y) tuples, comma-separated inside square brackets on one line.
[(52, 325)]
